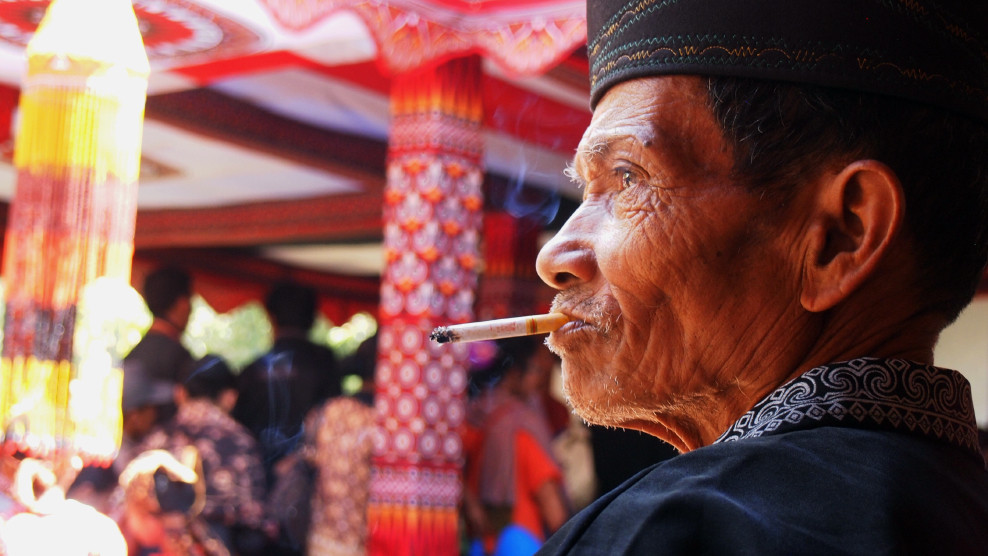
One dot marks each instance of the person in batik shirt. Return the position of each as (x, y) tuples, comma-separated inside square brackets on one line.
[(231, 461), (338, 445), (162, 497)]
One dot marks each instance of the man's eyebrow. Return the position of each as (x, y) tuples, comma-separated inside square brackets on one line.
[(573, 175), (595, 148), (592, 150)]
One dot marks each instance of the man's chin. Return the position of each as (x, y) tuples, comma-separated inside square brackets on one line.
[(596, 408), (603, 419)]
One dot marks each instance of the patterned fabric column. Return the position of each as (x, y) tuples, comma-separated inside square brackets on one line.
[(432, 220), (71, 222)]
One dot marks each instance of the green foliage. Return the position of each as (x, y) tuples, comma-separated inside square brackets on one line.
[(343, 339), (239, 336), (245, 333)]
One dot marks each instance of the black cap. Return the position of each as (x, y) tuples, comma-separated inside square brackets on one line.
[(922, 50)]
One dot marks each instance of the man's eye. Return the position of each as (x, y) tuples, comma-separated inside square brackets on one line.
[(628, 178)]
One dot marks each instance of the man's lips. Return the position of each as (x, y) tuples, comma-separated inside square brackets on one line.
[(576, 322), (587, 310)]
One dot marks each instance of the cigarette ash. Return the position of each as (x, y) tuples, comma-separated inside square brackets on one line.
[(442, 335)]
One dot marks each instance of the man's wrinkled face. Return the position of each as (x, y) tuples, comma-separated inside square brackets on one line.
[(668, 266)]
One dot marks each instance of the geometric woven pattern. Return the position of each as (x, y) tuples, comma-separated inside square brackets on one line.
[(885, 394), (432, 217)]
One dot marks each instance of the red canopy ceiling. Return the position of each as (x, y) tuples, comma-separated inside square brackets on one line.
[(266, 123)]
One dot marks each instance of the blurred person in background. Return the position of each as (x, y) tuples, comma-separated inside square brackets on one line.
[(162, 497), (160, 355), (143, 400), (279, 388), (231, 460), (514, 487), (339, 439)]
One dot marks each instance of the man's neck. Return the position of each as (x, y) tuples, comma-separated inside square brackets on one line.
[(841, 335)]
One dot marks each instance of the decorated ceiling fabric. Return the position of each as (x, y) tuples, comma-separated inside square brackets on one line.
[(175, 32), (524, 38)]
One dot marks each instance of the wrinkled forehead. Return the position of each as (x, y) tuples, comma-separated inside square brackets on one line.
[(665, 114)]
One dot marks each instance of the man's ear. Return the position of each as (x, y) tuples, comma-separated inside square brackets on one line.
[(856, 216)]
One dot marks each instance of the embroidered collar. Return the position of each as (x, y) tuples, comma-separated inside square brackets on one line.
[(886, 394)]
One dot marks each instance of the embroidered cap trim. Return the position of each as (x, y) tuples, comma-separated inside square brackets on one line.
[(932, 51)]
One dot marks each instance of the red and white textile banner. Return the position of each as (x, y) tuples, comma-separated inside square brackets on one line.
[(432, 215)]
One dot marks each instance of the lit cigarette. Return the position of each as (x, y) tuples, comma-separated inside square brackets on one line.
[(500, 328)]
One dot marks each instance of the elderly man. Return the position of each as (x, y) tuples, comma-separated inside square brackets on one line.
[(784, 203)]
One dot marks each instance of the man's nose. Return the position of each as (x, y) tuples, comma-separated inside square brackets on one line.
[(568, 258)]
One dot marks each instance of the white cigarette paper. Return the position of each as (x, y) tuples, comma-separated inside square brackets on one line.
[(500, 328)]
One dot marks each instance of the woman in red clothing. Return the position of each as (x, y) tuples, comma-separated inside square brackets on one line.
[(515, 493)]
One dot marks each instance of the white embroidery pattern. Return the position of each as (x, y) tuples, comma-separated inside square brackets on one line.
[(888, 394)]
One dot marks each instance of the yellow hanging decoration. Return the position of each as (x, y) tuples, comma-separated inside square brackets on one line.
[(71, 227)]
